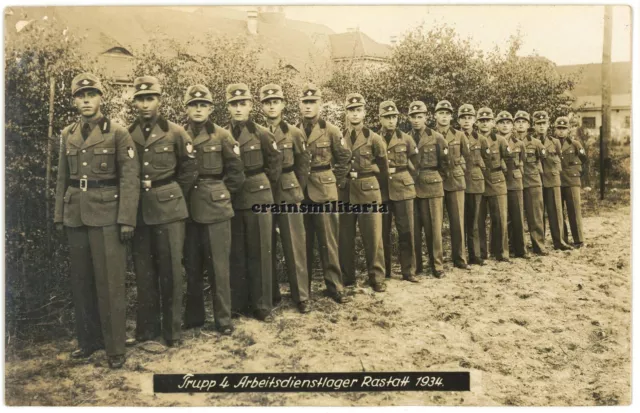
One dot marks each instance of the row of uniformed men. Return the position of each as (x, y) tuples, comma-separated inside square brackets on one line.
[(110, 179)]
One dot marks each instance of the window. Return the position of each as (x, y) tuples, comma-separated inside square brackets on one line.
[(627, 122), (589, 123)]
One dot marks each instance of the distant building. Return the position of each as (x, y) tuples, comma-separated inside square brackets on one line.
[(355, 47), (588, 95)]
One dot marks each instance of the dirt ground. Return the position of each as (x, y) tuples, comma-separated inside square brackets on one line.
[(546, 331)]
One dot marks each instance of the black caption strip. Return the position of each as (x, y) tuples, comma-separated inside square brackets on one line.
[(310, 382)]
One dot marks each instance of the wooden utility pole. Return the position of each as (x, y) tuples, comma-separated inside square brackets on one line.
[(605, 130), (47, 197)]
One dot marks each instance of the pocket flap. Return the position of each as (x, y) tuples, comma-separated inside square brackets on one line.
[(212, 148), (109, 196), (287, 145), (162, 148), (370, 185), (221, 195), (254, 147), (72, 152), (477, 176), (497, 177), (169, 194), (323, 144), (401, 148), (108, 151), (289, 181), (408, 181), (257, 186), (458, 172), (365, 152), (327, 179), (431, 178), (517, 174)]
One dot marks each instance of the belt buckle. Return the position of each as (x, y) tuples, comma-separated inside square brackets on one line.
[(353, 175), (146, 184), (392, 170), (83, 184)]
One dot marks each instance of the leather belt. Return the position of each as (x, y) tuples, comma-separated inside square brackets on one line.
[(85, 184), (359, 175), (496, 169), (320, 168), (430, 168), (396, 169), (147, 184), (287, 169), (210, 176), (253, 172)]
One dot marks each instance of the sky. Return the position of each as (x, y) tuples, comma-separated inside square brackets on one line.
[(564, 34)]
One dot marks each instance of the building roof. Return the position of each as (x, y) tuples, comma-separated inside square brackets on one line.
[(590, 83), (594, 102), (357, 45), (129, 30)]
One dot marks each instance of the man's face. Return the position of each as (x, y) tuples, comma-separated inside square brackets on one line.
[(521, 125), (466, 122), (310, 108), (355, 116), (389, 122), (505, 127), (541, 128), (485, 125), (418, 121), (87, 102), (562, 132), (199, 112), (273, 108), (443, 117), (147, 105), (240, 110)]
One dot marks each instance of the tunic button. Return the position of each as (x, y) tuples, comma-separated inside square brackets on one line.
[(195, 186), (194, 151), (146, 189), (222, 196), (84, 151), (115, 196), (251, 147), (84, 164), (166, 149), (146, 163), (153, 135), (146, 150), (261, 186), (104, 151), (146, 176), (84, 176), (292, 184), (171, 196)]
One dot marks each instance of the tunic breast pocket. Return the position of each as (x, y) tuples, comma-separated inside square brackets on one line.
[(400, 155), (365, 155), (454, 151), (517, 174), (530, 157), (104, 161), (164, 157), (287, 153), (72, 159), (495, 158), (322, 151), (252, 155), (429, 156), (212, 157), (477, 156)]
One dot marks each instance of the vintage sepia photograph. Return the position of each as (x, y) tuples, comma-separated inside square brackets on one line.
[(318, 205)]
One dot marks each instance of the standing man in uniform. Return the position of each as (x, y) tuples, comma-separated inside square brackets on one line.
[(288, 189), (251, 266), (368, 160), (327, 147), (532, 182), (208, 233), (398, 191), (454, 182), (515, 170), (96, 201), (573, 156), (474, 177), (551, 166), (431, 163), (169, 170), (495, 192)]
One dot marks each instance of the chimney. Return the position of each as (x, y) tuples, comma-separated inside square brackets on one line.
[(393, 40), (252, 21)]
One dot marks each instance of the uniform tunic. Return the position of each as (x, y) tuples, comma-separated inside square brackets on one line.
[(573, 156), (551, 182), (474, 178), (515, 203)]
